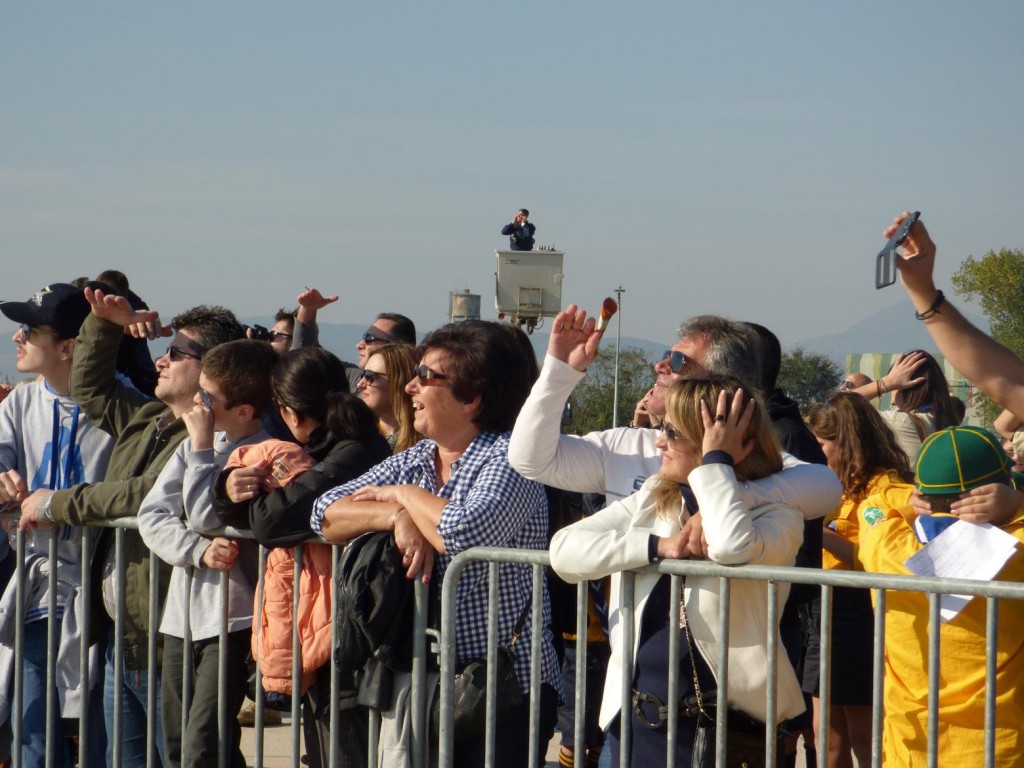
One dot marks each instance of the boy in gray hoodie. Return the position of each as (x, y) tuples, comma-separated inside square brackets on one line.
[(234, 392)]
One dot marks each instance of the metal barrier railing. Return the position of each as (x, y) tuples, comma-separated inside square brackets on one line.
[(420, 746)]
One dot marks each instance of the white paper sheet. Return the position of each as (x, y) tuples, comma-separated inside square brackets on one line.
[(963, 551)]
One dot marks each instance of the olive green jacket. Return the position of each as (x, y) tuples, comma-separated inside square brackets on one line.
[(146, 434)]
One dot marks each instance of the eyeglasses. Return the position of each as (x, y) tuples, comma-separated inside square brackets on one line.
[(205, 398), (676, 360), (847, 385), (672, 435), (275, 335), (428, 377), (375, 335), (371, 376), (177, 354), (27, 330)]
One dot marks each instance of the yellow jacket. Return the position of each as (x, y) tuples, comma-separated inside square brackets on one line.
[(884, 492), (884, 547)]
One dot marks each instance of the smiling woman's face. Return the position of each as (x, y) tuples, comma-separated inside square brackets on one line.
[(679, 455), (436, 411)]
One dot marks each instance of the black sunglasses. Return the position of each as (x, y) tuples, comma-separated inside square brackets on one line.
[(371, 376), (205, 398), (375, 335), (672, 435), (177, 354), (428, 376), (275, 335), (676, 360), (27, 329)]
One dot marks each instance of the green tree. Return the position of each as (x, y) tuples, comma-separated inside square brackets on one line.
[(996, 282), (590, 406), (809, 377)]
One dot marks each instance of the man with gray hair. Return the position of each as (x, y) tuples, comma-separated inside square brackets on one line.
[(617, 461)]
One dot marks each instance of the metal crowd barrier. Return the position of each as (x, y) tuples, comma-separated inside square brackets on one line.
[(421, 744)]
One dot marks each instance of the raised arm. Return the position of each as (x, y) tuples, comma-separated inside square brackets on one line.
[(109, 404), (986, 363), (537, 449)]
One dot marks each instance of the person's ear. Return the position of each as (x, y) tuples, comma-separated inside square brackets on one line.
[(245, 412), (66, 348)]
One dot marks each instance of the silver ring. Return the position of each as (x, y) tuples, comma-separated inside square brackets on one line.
[(720, 417)]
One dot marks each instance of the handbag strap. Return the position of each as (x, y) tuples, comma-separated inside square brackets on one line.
[(690, 645), (518, 628)]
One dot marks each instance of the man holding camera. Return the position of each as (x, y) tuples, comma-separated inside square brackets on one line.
[(520, 232)]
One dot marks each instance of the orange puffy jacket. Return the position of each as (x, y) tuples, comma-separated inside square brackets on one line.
[(272, 631)]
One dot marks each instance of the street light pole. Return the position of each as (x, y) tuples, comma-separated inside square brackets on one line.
[(618, 340)]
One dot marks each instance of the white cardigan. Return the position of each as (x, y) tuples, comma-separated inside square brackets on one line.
[(616, 539)]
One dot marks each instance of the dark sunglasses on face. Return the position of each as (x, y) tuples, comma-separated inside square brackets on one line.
[(275, 335), (371, 376), (375, 335), (676, 360), (177, 354), (672, 435), (205, 398), (847, 385), (27, 330), (429, 377)]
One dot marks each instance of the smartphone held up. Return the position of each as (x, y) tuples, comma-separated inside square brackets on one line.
[(885, 262)]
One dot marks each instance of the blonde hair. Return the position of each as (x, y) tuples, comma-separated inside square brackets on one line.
[(683, 411), (400, 368)]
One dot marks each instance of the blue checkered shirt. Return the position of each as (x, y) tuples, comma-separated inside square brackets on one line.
[(489, 504)]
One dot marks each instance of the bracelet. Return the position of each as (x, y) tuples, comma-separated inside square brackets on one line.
[(398, 511), (878, 388), (881, 384), (933, 309)]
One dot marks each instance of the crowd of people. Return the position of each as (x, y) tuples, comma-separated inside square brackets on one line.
[(431, 447)]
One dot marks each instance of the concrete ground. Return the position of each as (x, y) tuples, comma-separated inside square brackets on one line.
[(277, 747)]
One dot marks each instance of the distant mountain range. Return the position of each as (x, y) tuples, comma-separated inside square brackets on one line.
[(892, 330)]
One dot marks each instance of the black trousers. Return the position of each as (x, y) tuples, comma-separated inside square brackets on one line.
[(199, 744)]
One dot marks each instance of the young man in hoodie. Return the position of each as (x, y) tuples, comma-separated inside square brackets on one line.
[(46, 441)]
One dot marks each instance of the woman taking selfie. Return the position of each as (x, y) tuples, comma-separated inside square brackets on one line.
[(714, 438)]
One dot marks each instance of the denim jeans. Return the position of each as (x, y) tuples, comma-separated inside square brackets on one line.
[(34, 727), (132, 687), (33, 750)]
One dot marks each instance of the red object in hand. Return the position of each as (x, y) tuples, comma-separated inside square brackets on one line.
[(608, 309)]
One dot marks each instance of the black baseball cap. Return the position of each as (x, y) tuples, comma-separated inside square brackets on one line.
[(59, 305)]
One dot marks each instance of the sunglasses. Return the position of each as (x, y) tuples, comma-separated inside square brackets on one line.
[(375, 335), (371, 376), (672, 435), (676, 360), (428, 377), (275, 335), (177, 354), (27, 330), (847, 385), (205, 398)]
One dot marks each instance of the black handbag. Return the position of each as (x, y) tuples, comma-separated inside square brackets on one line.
[(469, 702), (745, 735)]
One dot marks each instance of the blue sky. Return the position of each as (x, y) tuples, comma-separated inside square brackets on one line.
[(739, 158)]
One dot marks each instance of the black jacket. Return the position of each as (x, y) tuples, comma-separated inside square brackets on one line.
[(280, 518)]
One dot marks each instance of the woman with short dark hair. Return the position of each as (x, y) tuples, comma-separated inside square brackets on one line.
[(455, 490)]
